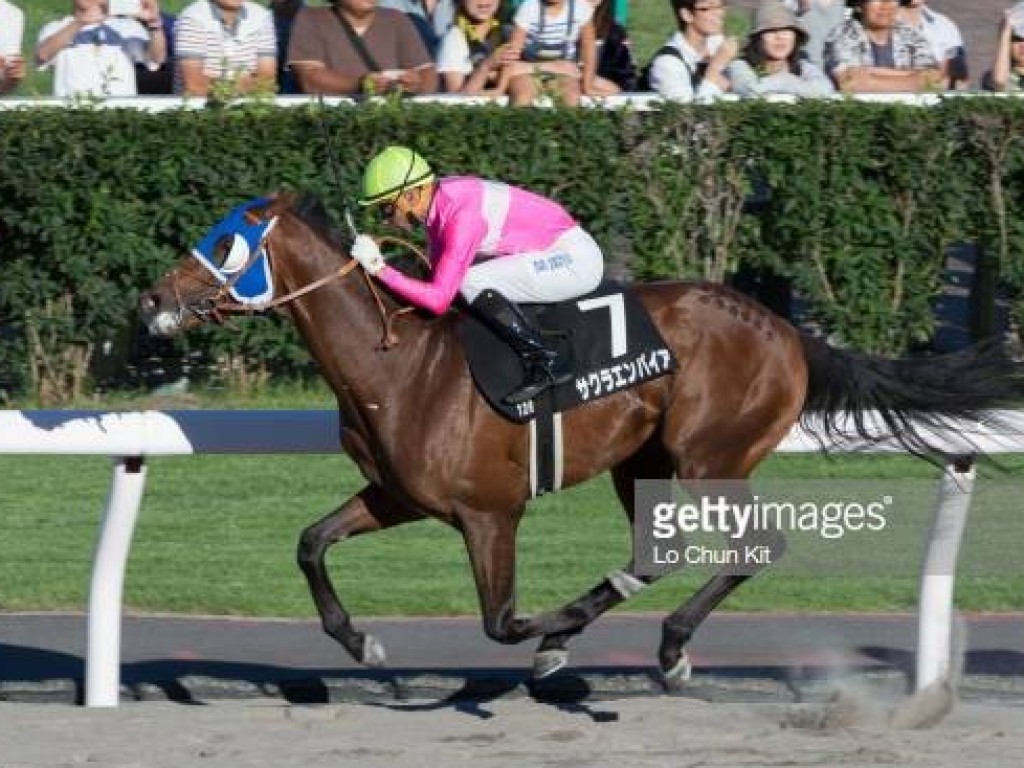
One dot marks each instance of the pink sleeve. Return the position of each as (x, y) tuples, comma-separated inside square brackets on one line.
[(458, 245)]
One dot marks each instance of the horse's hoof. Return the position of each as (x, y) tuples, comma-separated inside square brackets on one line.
[(679, 673), (373, 652), (546, 663)]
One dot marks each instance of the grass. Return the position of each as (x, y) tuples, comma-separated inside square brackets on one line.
[(217, 535), (650, 23)]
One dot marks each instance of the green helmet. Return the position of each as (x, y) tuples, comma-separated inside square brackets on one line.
[(391, 172)]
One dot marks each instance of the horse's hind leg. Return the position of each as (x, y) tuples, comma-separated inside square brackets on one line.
[(369, 510), (679, 626), (653, 462)]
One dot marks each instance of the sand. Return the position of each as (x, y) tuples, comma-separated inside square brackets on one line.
[(633, 732)]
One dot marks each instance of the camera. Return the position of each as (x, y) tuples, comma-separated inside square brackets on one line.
[(125, 7)]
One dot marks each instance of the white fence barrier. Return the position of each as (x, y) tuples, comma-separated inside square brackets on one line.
[(641, 101), (129, 438)]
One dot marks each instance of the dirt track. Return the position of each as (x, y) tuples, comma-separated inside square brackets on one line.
[(631, 732)]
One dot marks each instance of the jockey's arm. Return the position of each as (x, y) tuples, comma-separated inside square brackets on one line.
[(460, 241)]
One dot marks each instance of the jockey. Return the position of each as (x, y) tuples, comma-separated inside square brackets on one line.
[(493, 243)]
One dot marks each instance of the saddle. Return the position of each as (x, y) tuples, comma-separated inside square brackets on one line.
[(607, 333)]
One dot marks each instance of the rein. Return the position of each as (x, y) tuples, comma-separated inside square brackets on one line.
[(221, 305)]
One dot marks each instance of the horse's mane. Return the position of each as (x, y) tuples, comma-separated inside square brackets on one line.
[(312, 212)]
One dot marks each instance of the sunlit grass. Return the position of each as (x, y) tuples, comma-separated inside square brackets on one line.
[(217, 534)]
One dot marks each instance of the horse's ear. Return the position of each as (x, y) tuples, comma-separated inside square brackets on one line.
[(276, 204), (279, 203)]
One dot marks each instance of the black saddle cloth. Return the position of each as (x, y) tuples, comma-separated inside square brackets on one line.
[(608, 334)]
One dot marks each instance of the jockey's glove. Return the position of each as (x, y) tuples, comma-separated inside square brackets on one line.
[(366, 251)]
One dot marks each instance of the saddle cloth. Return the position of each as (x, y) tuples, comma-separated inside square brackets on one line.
[(608, 334)]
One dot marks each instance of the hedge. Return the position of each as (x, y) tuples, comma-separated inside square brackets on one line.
[(858, 205)]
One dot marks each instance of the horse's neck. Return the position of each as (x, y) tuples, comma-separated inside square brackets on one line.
[(344, 332)]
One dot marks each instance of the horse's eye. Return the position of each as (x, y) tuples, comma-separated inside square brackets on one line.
[(231, 253)]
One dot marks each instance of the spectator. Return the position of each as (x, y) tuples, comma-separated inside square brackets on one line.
[(616, 69), (1007, 73), (819, 18), (474, 51), (285, 12), (432, 18), (159, 81), (692, 63), (93, 53), (943, 35), (875, 52), (354, 47), (12, 65), (620, 9), (772, 60), (550, 36), (224, 41)]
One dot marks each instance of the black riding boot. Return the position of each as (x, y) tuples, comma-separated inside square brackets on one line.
[(543, 365)]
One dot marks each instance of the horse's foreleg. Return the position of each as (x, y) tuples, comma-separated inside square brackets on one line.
[(491, 544), (369, 510)]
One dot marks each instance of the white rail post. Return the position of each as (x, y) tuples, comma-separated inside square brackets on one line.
[(938, 574), (103, 657)]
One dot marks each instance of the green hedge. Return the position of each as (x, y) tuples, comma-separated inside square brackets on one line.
[(863, 200)]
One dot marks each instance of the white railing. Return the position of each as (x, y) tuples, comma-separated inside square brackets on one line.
[(130, 438), (640, 101)]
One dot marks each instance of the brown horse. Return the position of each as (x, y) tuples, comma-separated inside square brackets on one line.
[(430, 446)]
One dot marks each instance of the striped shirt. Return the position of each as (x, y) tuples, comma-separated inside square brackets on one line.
[(551, 36), (200, 34)]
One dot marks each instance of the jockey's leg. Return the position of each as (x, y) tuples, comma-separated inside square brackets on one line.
[(572, 266), (543, 366)]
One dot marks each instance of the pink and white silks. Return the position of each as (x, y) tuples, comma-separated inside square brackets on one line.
[(484, 234)]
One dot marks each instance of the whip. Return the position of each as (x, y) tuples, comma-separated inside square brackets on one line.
[(333, 163)]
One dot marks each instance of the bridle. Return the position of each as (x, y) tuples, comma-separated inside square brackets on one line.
[(218, 307)]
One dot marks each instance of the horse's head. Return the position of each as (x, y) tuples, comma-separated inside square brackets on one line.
[(265, 253), (227, 270)]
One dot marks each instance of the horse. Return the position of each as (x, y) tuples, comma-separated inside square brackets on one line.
[(430, 446)]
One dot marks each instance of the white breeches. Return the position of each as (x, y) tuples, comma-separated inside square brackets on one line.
[(570, 267)]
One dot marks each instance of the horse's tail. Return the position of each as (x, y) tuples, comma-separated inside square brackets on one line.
[(917, 401)]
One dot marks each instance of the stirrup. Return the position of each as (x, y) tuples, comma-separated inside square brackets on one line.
[(536, 384)]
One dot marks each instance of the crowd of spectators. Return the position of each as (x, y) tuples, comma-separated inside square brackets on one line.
[(520, 49)]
